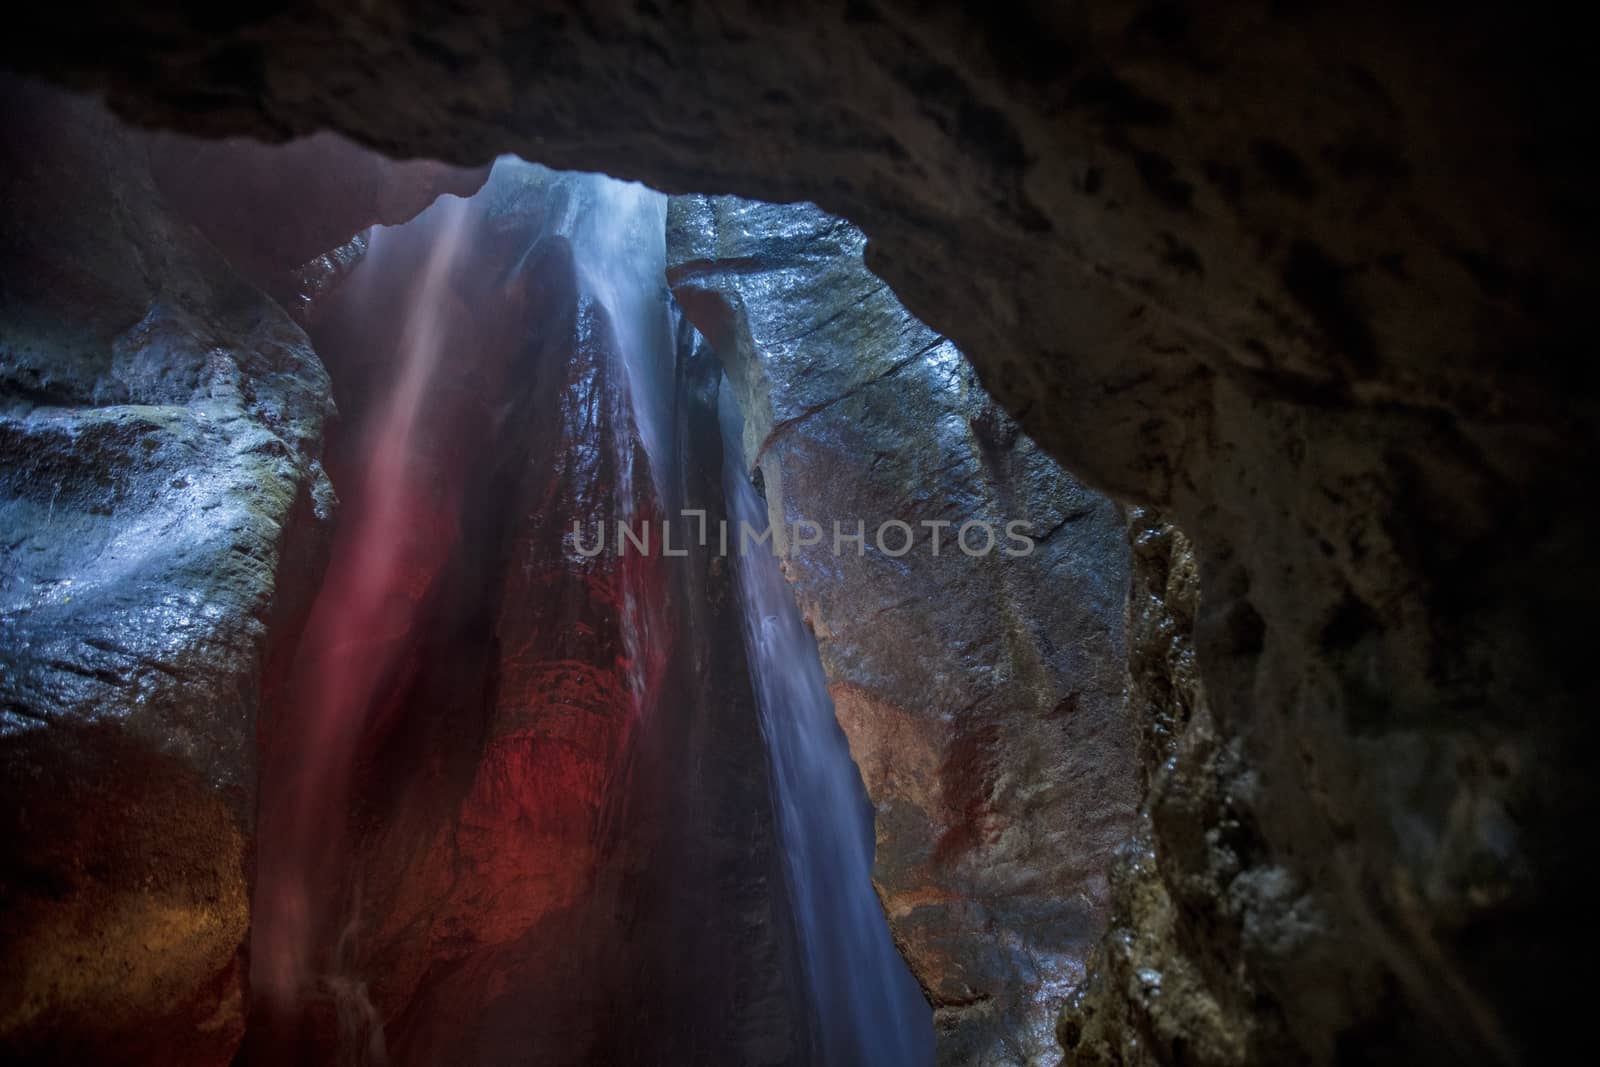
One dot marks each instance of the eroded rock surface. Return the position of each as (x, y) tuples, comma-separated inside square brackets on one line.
[(1151, 997), (160, 426), (982, 694)]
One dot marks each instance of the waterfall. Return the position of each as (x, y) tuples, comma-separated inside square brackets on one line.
[(620, 244), (866, 1007), (417, 545), (618, 236), (344, 654)]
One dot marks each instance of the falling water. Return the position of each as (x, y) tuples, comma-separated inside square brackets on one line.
[(620, 243), (866, 1007), (340, 667), (619, 246)]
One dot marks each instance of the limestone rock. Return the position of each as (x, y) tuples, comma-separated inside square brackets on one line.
[(1151, 998)]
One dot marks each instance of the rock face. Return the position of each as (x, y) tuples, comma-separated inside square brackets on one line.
[(160, 424), (1312, 278), (166, 517), (1151, 997), (982, 694)]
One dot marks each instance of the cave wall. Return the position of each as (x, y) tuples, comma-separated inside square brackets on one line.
[(161, 425), (982, 695), (1153, 995)]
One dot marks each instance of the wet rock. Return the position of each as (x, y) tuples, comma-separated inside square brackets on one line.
[(1151, 997), (474, 786), (160, 424), (982, 693), (304, 291)]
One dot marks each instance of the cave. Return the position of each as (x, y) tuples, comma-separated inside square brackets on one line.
[(887, 534)]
